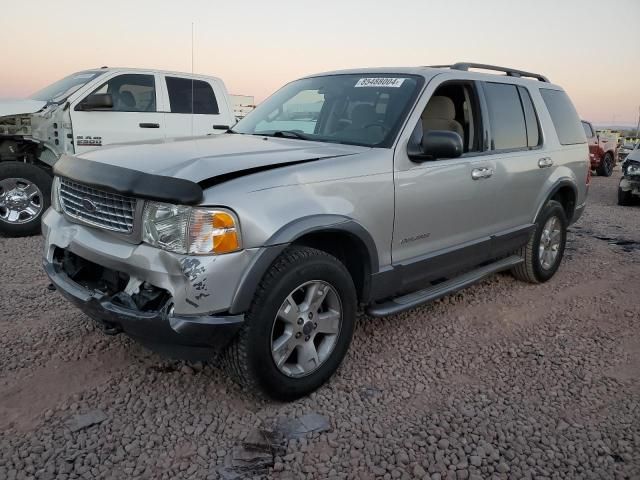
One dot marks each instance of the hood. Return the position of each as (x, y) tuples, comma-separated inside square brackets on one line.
[(203, 159), (20, 107), (634, 155)]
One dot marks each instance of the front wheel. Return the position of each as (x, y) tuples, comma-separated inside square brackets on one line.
[(606, 165), (544, 251), (25, 193), (298, 328), (625, 197)]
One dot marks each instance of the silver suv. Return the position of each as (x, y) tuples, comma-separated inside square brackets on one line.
[(379, 189)]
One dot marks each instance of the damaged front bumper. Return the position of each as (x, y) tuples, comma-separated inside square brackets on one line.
[(174, 304), (630, 183)]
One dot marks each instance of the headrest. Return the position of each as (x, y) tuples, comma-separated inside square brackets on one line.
[(363, 114), (440, 107)]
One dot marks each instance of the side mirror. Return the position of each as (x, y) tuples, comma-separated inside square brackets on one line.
[(97, 101), (435, 144)]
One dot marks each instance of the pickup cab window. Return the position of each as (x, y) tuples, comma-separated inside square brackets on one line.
[(191, 96), (131, 93), (351, 109)]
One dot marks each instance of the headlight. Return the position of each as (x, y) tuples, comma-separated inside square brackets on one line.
[(55, 195), (633, 170), (198, 231)]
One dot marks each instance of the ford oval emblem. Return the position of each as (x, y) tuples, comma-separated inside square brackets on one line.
[(88, 205)]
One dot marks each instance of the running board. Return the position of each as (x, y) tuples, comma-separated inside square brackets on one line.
[(414, 299)]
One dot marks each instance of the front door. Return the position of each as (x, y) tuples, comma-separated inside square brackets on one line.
[(445, 208), (133, 117)]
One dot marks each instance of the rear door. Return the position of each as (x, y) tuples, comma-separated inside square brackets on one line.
[(522, 166), (133, 117), (195, 107)]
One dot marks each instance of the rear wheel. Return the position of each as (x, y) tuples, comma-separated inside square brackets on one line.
[(544, 251), (606, 165), (25, 193), (298, 328)]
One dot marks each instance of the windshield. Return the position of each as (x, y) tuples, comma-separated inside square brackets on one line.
[(61, 89), (362, 109)]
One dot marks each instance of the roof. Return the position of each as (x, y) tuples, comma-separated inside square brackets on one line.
[(154, 70), (462, 70)]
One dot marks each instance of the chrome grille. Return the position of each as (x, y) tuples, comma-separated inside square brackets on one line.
[(109, 211)]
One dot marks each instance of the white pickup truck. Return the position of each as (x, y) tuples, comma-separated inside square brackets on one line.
[(88, 110)]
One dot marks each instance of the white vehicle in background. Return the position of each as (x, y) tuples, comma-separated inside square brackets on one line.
[(88, 110)]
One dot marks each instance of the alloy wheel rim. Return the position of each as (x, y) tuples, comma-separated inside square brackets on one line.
[(306, 328), (20, 200), (550, 239)]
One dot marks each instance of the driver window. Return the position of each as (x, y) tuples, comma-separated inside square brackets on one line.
[(131, 93), (453, 107)]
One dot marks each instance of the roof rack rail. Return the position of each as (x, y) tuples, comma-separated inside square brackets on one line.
[(511, 72)]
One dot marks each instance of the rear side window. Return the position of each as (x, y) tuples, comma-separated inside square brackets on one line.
[(531, 118), (191, 96), (508, 127), (587, 129), (564, 116)]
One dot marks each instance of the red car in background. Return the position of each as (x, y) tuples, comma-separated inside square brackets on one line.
[(602, 152)]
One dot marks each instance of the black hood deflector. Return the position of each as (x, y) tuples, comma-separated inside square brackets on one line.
[(134, 183)]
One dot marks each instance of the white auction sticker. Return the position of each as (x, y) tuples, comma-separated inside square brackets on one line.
[(380, 82)]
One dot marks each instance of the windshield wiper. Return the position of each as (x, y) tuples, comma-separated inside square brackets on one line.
[(287, 134)]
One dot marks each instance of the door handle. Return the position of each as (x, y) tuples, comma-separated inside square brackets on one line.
[(545, 162), (149, 125), (221, 127), (479, 173)]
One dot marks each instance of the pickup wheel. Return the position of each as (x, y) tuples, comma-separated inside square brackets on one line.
[(625, 197), (605, 169), (543, 252), (298, 328), (25, 194)]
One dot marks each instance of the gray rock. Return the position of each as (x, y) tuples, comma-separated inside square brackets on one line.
[(85, 420)]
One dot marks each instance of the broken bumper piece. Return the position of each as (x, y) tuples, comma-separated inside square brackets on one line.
[(178, 336)]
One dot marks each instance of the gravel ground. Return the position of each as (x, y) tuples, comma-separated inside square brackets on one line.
[(503, 380)]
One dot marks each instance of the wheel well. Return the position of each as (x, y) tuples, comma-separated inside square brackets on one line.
[(347, 248), (567, 198)]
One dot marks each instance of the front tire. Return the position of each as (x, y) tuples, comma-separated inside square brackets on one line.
[(25, 194), (298, 328), (625, 197), (544, 251), (605, 169)]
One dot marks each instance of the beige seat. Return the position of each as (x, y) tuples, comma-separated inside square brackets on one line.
[(440, 114)]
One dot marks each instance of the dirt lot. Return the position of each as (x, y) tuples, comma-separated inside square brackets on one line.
[(504, 380)]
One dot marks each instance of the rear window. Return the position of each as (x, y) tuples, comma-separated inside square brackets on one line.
[(191, 96), (587, 129), (564, 116), (508, 127)]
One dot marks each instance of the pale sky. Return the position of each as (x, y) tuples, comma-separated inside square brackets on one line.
[(591, 48)]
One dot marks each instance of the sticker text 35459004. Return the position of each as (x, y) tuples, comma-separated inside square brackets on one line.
[(379, 82)]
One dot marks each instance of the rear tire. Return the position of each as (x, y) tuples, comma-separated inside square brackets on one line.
[(625, 197), (605, 169), (25, 194), (270, 335), (541, 259)]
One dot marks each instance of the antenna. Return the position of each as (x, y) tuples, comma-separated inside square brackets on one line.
[(192, 109), (638, 126)]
